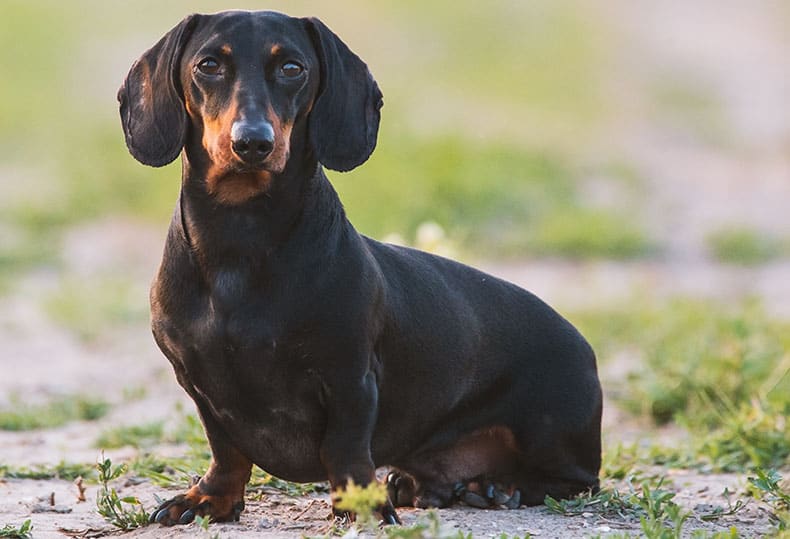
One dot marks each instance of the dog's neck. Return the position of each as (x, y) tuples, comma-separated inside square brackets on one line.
[(300, 209)]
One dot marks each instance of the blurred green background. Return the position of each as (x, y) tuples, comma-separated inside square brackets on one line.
[(486, 107)]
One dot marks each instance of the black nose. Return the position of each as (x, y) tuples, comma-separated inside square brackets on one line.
[(252, 142)]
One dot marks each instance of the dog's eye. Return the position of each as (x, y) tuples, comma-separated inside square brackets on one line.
[(291, 70), (208, 66)]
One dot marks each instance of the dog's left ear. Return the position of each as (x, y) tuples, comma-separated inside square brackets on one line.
[(344, 122), (153, 114)]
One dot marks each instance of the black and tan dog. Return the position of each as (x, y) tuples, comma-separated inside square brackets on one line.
[(309, 349)]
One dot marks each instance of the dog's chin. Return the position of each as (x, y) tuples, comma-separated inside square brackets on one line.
[(240, 182)]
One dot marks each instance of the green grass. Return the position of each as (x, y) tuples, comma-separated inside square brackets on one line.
[(91, 308), (133, 435), (21, 416), (659, 516), (17, 532), (22, 252), (723, 373), (581, 233), (68, 471), (746, 246), (767, 487)]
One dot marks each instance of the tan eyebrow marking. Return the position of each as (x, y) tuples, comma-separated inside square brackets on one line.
[(276, 48), (226, 49)]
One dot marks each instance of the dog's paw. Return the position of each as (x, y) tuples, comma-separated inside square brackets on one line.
[(401, 489), (488, 495), (185, 507)]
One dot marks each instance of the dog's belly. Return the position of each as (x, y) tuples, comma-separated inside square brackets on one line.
[(281, 439)]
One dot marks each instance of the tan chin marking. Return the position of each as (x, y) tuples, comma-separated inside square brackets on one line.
[(237, 188)]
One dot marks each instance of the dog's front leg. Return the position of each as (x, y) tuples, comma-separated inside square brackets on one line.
[(220, 492), (352, 409)]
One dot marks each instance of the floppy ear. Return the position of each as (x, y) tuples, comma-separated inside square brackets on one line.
[(153, 115), (344, 122)]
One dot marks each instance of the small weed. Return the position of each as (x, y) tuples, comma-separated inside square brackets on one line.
[(663, 518), (17, 532), (719, 511), (52, 414), (125, 513), (659, 516), (203, 522), (161, 472), (755, 433), (362, 501), (767, 488), (607, 502)]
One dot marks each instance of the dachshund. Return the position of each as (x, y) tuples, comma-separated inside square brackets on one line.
[(309, 349)]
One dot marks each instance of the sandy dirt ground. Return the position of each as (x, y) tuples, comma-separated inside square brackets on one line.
[(693, 188)]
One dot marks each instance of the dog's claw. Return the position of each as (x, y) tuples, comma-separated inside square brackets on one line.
[(475, 500), (393, 481), (237, 509), (161, 515), (515, 500), (490, 491), (187, 517), (390, 517), (501, 498)]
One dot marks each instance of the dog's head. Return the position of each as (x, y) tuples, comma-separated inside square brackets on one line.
[(241, 90)]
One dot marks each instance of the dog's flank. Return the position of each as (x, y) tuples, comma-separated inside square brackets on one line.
[(310, 350)]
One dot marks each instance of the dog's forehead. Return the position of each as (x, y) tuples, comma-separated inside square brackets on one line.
[(249, 30)]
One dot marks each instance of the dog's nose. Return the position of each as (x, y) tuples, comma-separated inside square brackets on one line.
[(252, 142)]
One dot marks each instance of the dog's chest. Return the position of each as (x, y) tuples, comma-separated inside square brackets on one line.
[(238, 353)]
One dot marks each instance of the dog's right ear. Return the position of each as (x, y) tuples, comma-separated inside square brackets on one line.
[(153, 114)]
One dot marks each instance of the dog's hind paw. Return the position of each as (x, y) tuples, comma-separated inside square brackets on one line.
[(488, 495)]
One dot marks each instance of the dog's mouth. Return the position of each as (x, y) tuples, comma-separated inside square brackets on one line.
[(244, 167)]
